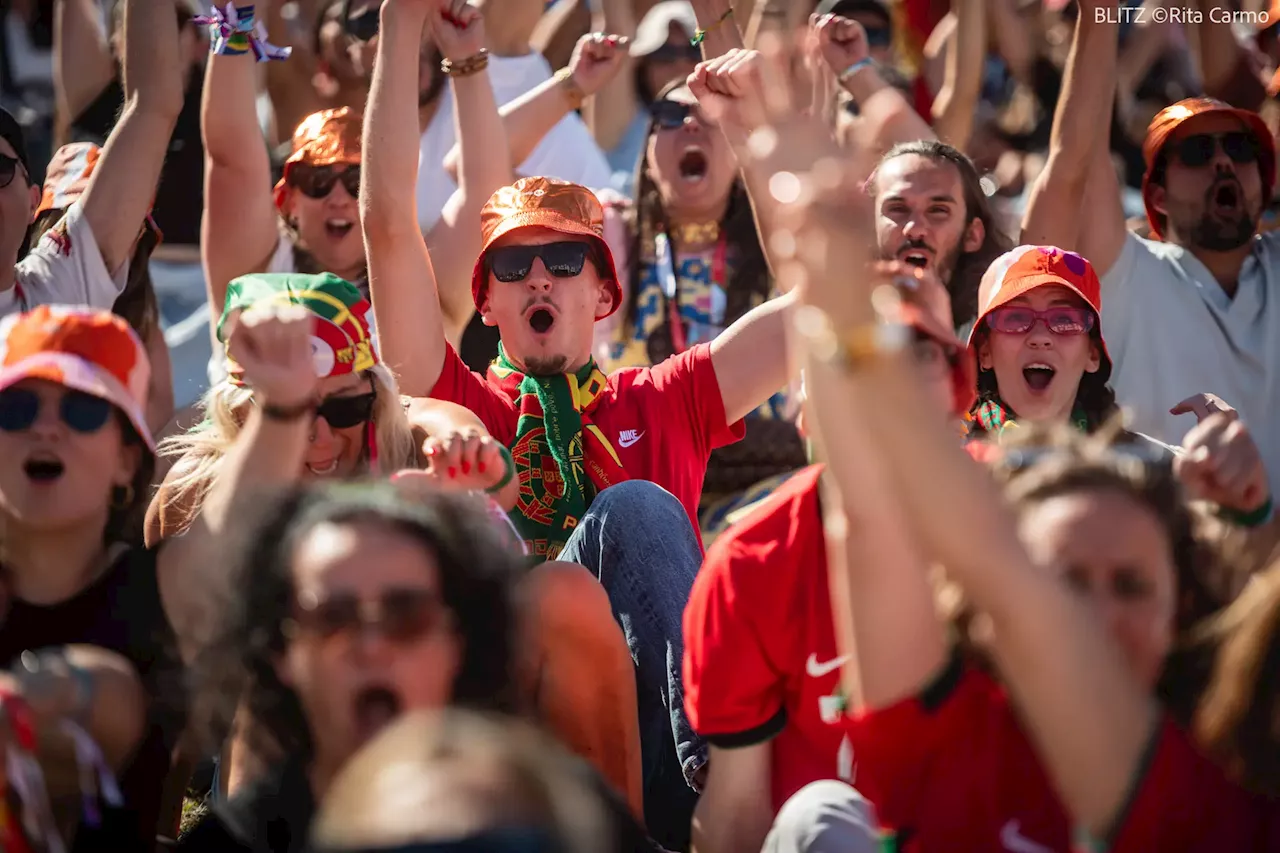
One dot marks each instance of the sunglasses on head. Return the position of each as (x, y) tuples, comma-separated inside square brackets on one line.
[(400, 614), (1061, 320), (670, 115), (1199, 148), (363, 26), (669, 52), (318, 181), (9, 168), (84, 413), (513, 263)]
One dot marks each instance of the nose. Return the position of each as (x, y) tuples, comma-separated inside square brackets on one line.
[(538, 280), (48, 420), (339, 194), (1039, 336), (321, 432), (914, 229), (1221, 161)]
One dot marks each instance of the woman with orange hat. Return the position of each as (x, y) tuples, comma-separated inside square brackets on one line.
[(310, 222), (76, 458)]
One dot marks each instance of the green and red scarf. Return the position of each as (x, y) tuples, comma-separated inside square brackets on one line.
[(992, 419), (563, 460)]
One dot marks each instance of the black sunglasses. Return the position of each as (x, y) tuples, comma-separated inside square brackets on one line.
[(1199, 148), (84, 413), (670, 115), (318, 181), (401, 614), (9, 168), (364, 26), (879, 36), (669, 52), (346, 412), (562, 260)]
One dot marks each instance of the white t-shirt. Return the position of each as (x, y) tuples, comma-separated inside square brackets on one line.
[(65, 268), (567, 152), (1172, 333)]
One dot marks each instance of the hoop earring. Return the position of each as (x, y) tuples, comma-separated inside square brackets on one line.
[(122, 497)]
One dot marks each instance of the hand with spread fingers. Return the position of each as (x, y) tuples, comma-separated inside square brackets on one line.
[(458, 29), (273, 346), (596, 58), (465, 461), (1220, 462)]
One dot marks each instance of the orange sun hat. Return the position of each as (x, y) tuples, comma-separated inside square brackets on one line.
[(326, 138), (548, 203), (83, 349), (1169, 119)]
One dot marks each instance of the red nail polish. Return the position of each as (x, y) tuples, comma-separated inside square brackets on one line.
[(466, 467), (480, 467), (453, 472)]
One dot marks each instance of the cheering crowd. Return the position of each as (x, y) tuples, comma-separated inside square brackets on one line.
[(789, 426)]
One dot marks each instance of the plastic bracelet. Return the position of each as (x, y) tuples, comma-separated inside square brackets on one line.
[(701, 35), (1253, 518), (845, 75), (507, 476)]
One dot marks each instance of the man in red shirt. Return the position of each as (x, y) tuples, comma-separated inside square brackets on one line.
[(609, 468), (762, 667)]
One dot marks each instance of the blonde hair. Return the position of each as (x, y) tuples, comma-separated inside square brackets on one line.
[(202, 449)]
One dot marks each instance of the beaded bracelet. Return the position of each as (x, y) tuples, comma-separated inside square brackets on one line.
[(466, 67)]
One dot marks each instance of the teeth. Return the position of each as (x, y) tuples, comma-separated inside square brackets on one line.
[(326, 470), (339, 223), (1037, 366)]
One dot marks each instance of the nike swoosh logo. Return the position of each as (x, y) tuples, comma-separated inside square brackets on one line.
[(1014, 841), (627, 442), (817, 670)]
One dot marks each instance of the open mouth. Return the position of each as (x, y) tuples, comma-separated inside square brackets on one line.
[(541, 320), (375, 708), (338, 228), (693, 164), (323, 469), (915, 257), (1038, 376), (43, 470), (1226, 196)]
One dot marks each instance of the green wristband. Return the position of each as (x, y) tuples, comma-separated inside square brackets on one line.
[(508, 476), (1254, 518)]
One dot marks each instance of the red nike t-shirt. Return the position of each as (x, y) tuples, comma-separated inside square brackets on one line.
[(953, 770), (760, 659), (663, 421)]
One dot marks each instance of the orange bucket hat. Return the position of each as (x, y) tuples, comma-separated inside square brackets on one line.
[(1025, 268), (326, 138), (1169, 119), (91, 351), (548, 203)]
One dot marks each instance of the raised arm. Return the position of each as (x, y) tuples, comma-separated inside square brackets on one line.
[(527, 119), (609, 112), (955, 106), (83, 65), (1224, 66), (1079, 142), (238, 232), (483, 166), (719, 24), (123, 186), (401, 279), (273, 346)]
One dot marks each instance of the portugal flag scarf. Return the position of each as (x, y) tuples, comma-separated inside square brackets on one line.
[(562, 459)]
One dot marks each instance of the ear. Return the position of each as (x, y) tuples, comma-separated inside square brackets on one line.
[(1156, 197), (974, 235), (604, 299), (130, 459), (984, 354), (486, 313), (33, 202), (1095, 358)]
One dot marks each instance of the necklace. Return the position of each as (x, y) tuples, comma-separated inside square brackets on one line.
[(696, 233)]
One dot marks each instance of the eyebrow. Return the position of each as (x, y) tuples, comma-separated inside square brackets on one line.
[(946, 198)]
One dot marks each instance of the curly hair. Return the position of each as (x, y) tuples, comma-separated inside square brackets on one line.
[(1038, 464), (749, 280), (236, 673), (970, 266)]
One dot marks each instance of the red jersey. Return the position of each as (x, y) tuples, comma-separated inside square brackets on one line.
[(953, 770), (663, 421), (760, 659)]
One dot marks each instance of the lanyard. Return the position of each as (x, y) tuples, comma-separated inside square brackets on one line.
[(665, 262)]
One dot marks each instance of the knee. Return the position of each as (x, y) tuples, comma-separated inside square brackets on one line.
[(641, 503), (568, 602), (827, 815)]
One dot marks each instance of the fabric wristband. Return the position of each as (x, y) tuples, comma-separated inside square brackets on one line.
[(507, 476), (1253, 518), (234, 31)]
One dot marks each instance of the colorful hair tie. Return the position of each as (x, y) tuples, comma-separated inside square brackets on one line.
[(234, 31)]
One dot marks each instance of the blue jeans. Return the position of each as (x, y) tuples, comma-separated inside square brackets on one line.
[(637, 540)]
